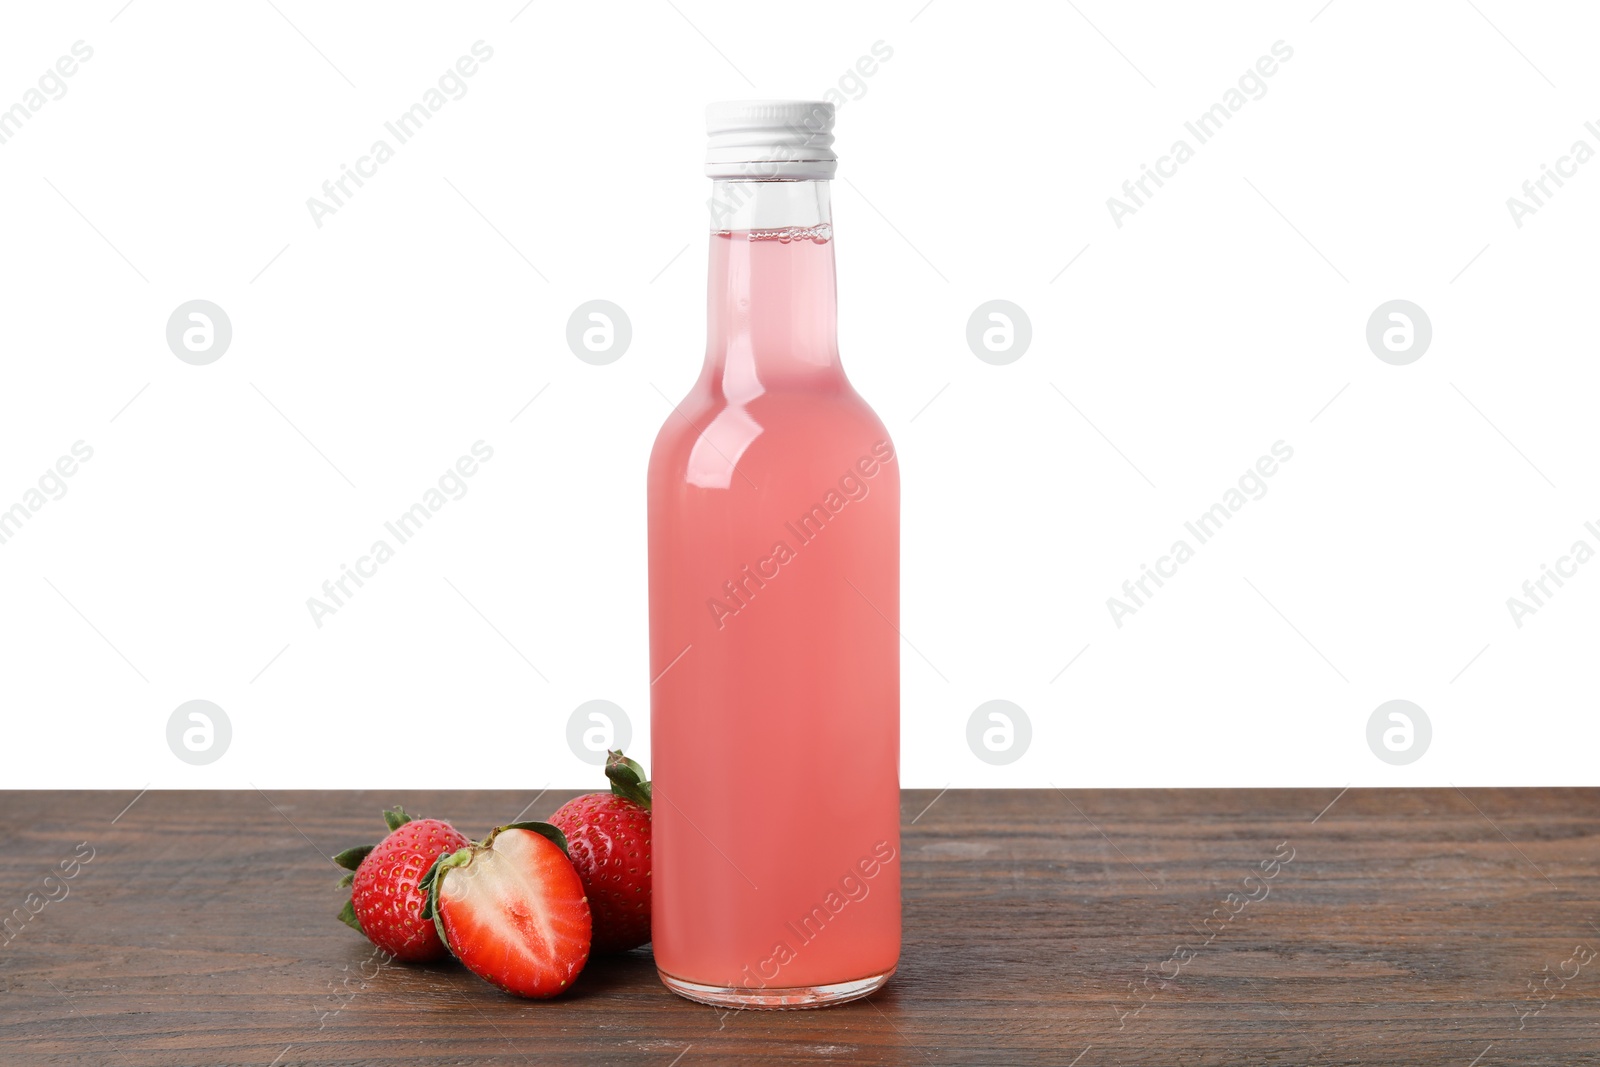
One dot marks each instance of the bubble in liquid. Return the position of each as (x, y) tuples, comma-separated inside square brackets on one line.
[(816, 234)]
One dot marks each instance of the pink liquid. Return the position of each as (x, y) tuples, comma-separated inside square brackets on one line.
[(774, 605)]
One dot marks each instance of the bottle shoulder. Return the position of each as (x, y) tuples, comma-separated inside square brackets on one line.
[(784, 412), (709, 440)]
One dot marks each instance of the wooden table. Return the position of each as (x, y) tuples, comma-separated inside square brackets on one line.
[(1041, 926)]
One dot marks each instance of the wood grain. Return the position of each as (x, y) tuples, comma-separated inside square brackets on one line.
[(1042, 927)]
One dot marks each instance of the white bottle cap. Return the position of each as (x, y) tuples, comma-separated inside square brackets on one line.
[(770, 139)]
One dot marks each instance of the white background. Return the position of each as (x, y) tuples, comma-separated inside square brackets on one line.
[(976, 164)]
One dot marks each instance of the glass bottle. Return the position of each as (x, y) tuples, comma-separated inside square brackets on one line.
[(774, 503)]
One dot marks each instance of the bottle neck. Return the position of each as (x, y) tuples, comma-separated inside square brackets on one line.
[(772, 318)]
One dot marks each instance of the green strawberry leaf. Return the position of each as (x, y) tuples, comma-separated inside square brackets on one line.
[(348, 879), (347, 915), (627, 779), (425, 885), (351, 858), (432, 880), (396, 817)]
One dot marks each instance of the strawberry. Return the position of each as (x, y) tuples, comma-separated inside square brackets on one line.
[(512, 909), (608, 837), (385, 902)]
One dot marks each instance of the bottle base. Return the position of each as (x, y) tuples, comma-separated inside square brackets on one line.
[(792, 997)]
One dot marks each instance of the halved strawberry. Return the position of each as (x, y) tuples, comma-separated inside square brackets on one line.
[(608, 838), (385, 902), (512, 909)]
